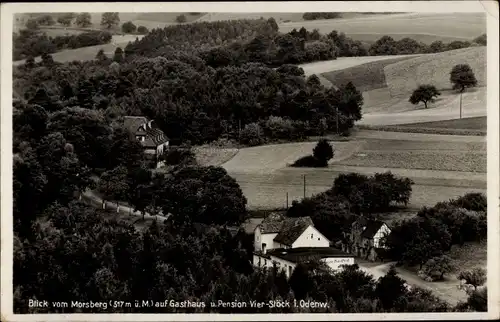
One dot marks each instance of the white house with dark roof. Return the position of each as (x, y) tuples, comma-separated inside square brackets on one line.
[(152, 139), (284, 242)]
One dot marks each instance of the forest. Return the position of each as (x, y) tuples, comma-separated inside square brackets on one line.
[(68, 137), (29, 43)]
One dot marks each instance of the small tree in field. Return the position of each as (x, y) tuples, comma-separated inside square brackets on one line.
[(462, 77), (424, 94), (323, 152), (181, 19), (128, 27)]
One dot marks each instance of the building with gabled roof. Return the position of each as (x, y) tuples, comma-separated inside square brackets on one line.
[(286, 241), (365, 238), (152, 139)]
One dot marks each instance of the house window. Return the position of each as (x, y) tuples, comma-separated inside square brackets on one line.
[(319, 238), (312, 236), (265, 262), (290, 270)]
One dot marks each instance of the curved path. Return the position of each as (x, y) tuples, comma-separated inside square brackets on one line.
[(123, 209)]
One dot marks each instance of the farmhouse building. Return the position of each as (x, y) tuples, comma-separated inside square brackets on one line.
[(284, 242), (152, 139), (365, 238)]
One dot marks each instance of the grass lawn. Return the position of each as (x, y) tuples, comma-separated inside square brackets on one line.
[(208, 156), (365, 77)]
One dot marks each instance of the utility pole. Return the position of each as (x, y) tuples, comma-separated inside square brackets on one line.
[(460, 104), (304, 186), (287, 201), (337, 116)]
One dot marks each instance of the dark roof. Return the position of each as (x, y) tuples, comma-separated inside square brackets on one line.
[(291, 229), (139, 125), (133, 123), (288, 228), (371, 228), (272, 223), (301, 254)]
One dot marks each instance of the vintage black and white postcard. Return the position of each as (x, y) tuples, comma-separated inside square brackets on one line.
[(215, 161)]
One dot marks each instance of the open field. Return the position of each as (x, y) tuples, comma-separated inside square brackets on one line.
[(380, 108), (207, 156), (89, 53), (434, 69), (341, 63), (427, 27), (265, 179), (466, 126), (366, 76)]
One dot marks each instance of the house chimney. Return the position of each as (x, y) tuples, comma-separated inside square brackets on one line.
[(150, 124)]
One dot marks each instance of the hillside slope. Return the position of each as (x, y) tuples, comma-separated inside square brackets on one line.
[(403, 77)]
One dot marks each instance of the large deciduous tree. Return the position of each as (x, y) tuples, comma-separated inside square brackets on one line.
[(110, 19), (83, 20), (113, 185), (462, 77), (424, 94)]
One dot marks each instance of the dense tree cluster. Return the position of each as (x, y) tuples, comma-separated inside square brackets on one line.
[(434, 230), (352, 195), (196, 103), (29, 43), (106, 259), (321, 15)]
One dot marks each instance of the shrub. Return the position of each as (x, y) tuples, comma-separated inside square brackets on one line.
[(128, 27), (474, 201), (475, 277), (142, 30), (179, 156), (323, 152), (181, 19), (276, 127), (437, 267), (321, 15), (252, 134), (481, 40), (308, 161)]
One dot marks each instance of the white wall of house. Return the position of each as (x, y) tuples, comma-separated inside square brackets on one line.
[(161, 148), (335, 262), (311, 237), (260, 239), (379, 235)]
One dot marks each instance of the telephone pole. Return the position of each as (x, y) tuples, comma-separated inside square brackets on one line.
[(337, 117), (304, 186), (460, 104), (287, 201)]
